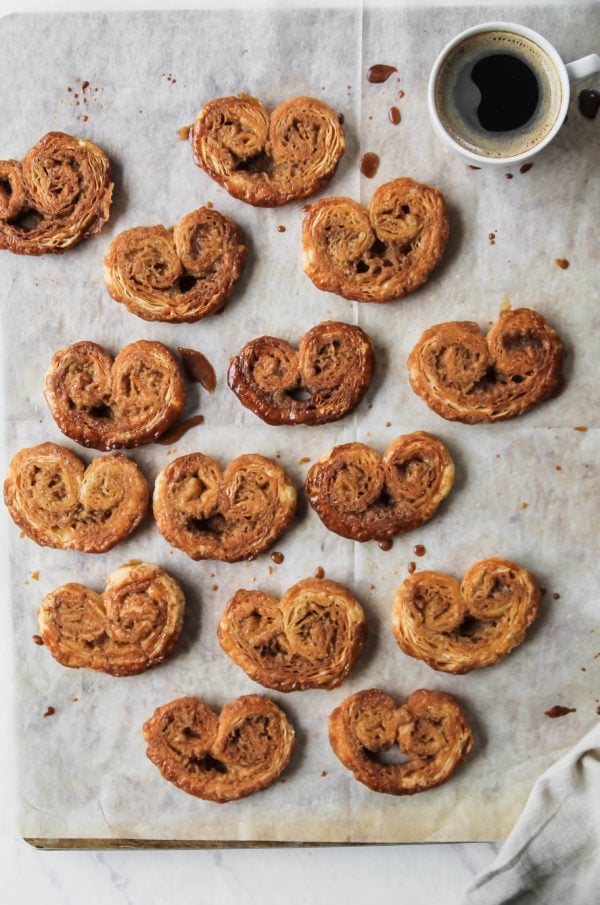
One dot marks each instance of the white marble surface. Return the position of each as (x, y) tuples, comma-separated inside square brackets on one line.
[(425, 873)]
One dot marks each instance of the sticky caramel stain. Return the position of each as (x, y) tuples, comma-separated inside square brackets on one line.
[(369, 164), (198, 368), (379, 73), (50, 711), (562, 263), (559, 710), (178, 430)]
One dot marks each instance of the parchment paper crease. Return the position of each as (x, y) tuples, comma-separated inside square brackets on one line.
[(525, 489)]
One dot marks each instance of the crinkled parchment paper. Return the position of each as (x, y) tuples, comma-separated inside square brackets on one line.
[(526, 489)]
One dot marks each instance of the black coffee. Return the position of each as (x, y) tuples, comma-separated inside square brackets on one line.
[(509, 92), (498, 94)]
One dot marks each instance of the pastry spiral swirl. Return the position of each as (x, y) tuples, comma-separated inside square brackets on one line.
[(459, 627), (57, 195), (220, 756), (268, 160), (464, 376), (133, 625), (379, 253), (110, 404), (333, 367), (431, 729), (364, 496), (58, 502), (177, 275), (227, 515), (311, 638)]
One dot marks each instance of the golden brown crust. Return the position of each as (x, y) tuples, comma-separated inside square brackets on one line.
[(311, 638), (332, 368), (110, 404), (227, 515), (220, 757), (268, 160), (177, 275), (459, 627), (379, 253), (57, 195), (364, 496), (465, 376), (58, 502), (431, 729), (133, 625)]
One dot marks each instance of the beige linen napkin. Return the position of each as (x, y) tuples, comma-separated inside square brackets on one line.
[(553, 853)]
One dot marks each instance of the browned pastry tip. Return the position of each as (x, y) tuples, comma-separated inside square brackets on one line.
[(268, 160), (59, 194), (364, 496), (110, 404), (133, 625), (311, 638), (220, 756), (431, 729), (59, 502), (177, 275), (379, 253), (459, 627), (227, 515), (465, 376), (321, 382)]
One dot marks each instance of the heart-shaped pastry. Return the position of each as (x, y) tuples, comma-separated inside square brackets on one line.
[(311, 638), (58, 502), (228, 515), (465, 376), (133, 625), (431, 729), (364, 496), (379, 253), (177, 275), (109, 404), (220, 756), (323, 381), (268, 160), (459, 627), (57, 195)]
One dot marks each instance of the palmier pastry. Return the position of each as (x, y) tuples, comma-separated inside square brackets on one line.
[(58, 502), (133, 625), (459, 627), (465, 376), (332, 368), (109, 404), (228, 515), (431, 729), (364, 496), (220, 757), (268, 160), (57, 195), (311, 638), (379, 253), (179, 275)]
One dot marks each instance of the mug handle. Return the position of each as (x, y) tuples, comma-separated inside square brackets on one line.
[(581, 69)]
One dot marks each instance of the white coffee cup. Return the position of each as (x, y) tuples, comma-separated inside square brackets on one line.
[(516, 124)]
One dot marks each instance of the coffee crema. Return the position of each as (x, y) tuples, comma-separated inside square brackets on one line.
[(498, 94)]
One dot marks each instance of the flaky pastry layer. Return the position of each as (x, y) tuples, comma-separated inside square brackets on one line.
[(220, 756)]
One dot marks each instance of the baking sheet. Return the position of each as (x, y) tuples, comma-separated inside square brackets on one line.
[(525, 489)]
